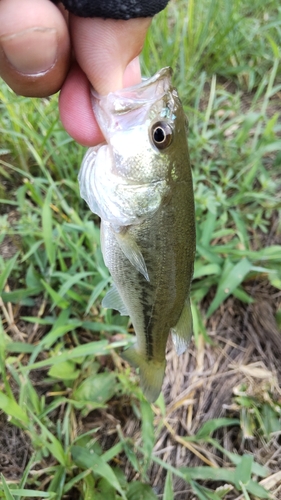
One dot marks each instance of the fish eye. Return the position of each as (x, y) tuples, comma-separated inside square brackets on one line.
[(161, 135)]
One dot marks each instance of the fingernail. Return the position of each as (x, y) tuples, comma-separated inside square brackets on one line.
[(31, 51)]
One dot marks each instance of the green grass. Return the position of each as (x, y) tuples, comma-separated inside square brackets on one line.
[(226, 61)]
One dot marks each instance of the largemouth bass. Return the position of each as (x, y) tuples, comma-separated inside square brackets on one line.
[(139, 182)]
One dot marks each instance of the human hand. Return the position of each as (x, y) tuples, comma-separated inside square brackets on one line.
[(36, 59)]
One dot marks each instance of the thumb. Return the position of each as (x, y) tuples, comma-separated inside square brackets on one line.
[(34, 46), (105, 47)]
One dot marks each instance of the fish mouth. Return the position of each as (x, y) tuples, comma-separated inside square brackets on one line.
[(132, 107), (148, 91)]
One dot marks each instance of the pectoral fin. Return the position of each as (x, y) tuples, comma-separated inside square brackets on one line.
[(182, 332), (133, 253), (112, 300)]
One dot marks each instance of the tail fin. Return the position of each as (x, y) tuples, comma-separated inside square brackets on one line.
[(151, 373)]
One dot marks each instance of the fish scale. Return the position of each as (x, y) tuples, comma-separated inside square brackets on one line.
[(140, 184)]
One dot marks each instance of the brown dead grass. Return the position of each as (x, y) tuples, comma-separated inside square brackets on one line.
[(202, 384)]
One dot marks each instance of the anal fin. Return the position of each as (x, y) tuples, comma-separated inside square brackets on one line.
[(182, 332), (112, 300)]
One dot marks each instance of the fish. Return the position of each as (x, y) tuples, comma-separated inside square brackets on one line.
[(139, 182)]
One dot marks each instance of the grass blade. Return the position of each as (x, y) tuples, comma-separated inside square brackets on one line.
[(6, 489), (99, 348), (244, 471), (229, 283), (12, 409), (147, 430), (168, 489), (90, 460), (5, 273), (47, 229)]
